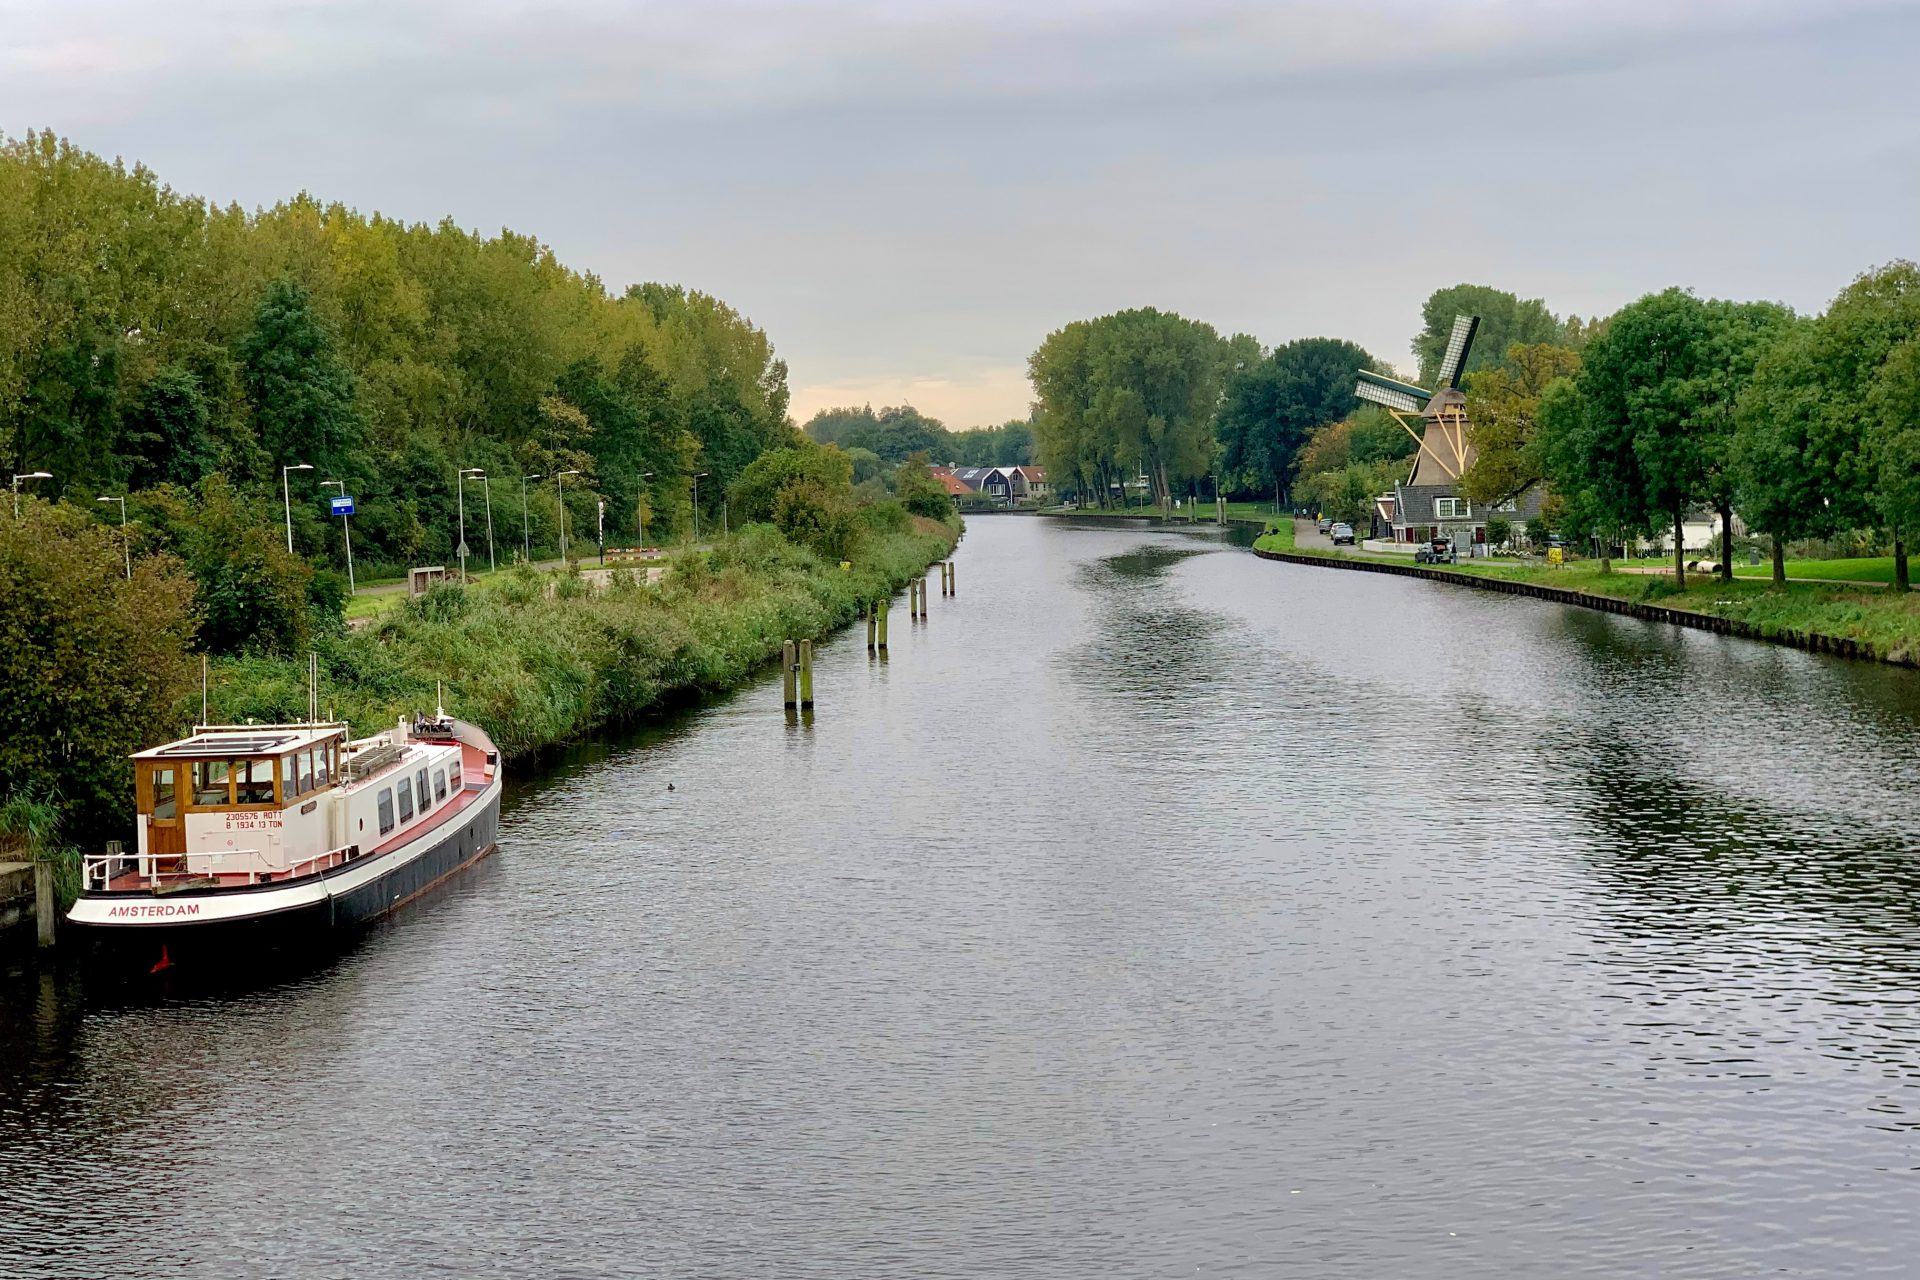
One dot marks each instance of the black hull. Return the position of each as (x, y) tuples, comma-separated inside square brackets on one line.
[(321, 926)]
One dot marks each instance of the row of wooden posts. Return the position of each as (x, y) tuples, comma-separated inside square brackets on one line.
[(797, 655)]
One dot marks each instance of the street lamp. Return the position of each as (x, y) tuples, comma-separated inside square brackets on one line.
[(486, 485), (126, 545), (696, 503), (286, 500), (640, 507), (31, 475), (344, 531), (526, 536), (561, 490), (460, 485)]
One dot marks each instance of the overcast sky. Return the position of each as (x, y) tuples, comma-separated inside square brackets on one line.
[(909, 196)]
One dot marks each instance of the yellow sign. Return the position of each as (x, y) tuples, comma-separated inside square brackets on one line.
[(1556, 556)]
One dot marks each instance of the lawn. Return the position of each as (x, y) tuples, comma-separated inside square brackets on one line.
[(1838, 606)]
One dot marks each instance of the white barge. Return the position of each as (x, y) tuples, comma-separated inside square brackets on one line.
[(281, 831)]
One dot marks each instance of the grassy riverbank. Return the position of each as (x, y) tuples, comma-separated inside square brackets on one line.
[(1887, 623), (541, 659)]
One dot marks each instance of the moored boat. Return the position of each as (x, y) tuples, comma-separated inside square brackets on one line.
[(277, 833)]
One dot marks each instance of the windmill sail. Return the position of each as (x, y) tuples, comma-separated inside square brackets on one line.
[(1459, 343), (1390, 392)]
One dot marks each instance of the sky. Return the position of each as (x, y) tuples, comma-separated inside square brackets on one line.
[(909, 196)]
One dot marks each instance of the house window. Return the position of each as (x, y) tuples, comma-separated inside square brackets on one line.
[(1451, 508), (420, 785), (406, 800), (439, 784), (386, 811)]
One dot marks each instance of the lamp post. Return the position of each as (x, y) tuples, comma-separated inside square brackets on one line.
[(460, 485), (344, 531), (31, 475), (640, 508), (561, 490), (286, 500), (526, 536), (696, 503), (125, 544)]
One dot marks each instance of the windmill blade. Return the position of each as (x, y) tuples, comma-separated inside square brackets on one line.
[(1459, 343), (1394, 395)]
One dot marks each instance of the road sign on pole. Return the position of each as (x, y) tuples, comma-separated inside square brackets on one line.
[(343, 506)]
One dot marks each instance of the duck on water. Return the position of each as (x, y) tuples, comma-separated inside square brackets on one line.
[(251, 835)]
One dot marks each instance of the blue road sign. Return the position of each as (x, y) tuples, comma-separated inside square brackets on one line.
[(343, 506)]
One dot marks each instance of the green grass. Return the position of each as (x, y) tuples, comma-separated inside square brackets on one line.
[(535, 670), (1844, 607)]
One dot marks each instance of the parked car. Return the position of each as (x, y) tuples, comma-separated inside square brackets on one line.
[(1435, 551), (1326, 523), (1342, 535)]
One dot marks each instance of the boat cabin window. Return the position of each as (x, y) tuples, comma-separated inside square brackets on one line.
[(306, 772), (253, 781), (165, 803), (439, 785), (420, 785), (453, 775), (210, 782), (322, 758), (386, 811), (406, 800)]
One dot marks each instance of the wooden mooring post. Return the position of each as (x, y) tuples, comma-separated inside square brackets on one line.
[(882, 610), (806, 675), (46, 909), (953, 579), (872, 618), (789, 670)]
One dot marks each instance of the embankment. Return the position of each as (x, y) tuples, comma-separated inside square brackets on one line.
[(539, 661), (1848, 621)]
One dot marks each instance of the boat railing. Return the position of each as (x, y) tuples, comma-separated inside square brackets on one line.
[(157, 870)]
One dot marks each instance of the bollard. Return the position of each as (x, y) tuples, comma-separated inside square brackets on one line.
[(870, 622), (806, 675), (788, 667), (953, 578), (923, 598), (44, 910), (883, 626)]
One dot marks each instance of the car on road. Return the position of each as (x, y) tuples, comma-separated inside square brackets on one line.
[(1435, 551), (1342, 535), (1326, 523)]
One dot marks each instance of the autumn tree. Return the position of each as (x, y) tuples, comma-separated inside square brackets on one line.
[(1503, 405)]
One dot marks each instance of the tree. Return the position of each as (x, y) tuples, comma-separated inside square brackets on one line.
[(1503, 404), (1505, 322), (1866, 392), (756, 493), (1662, 384), (920, 493), (253, 594), (1592, 469), (91, 664), (165, 431), (301, 392), (1787, 469), (1272, 406)]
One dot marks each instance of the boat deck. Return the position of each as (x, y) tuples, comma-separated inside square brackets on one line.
[(173, 877)]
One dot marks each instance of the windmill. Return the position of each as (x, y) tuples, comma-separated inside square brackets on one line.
[(1444, 437)]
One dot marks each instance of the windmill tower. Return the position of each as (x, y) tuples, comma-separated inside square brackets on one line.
[(1443, 434)]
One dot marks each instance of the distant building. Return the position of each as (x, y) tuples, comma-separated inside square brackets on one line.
[(1429, 504), (1002, 484)]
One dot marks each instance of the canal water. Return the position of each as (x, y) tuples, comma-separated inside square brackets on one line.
[(1155, 910)]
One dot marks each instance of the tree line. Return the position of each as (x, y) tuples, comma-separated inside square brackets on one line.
[(163, 347)]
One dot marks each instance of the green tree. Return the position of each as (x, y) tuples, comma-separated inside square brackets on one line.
[(301, 392), (1503, 403), (755, 495), (91, 664), (254, 596), (166, 434), (1273, 405), (920, 493), (1505, 322)]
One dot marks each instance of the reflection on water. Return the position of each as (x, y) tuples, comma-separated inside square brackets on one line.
[(1155, 910)]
